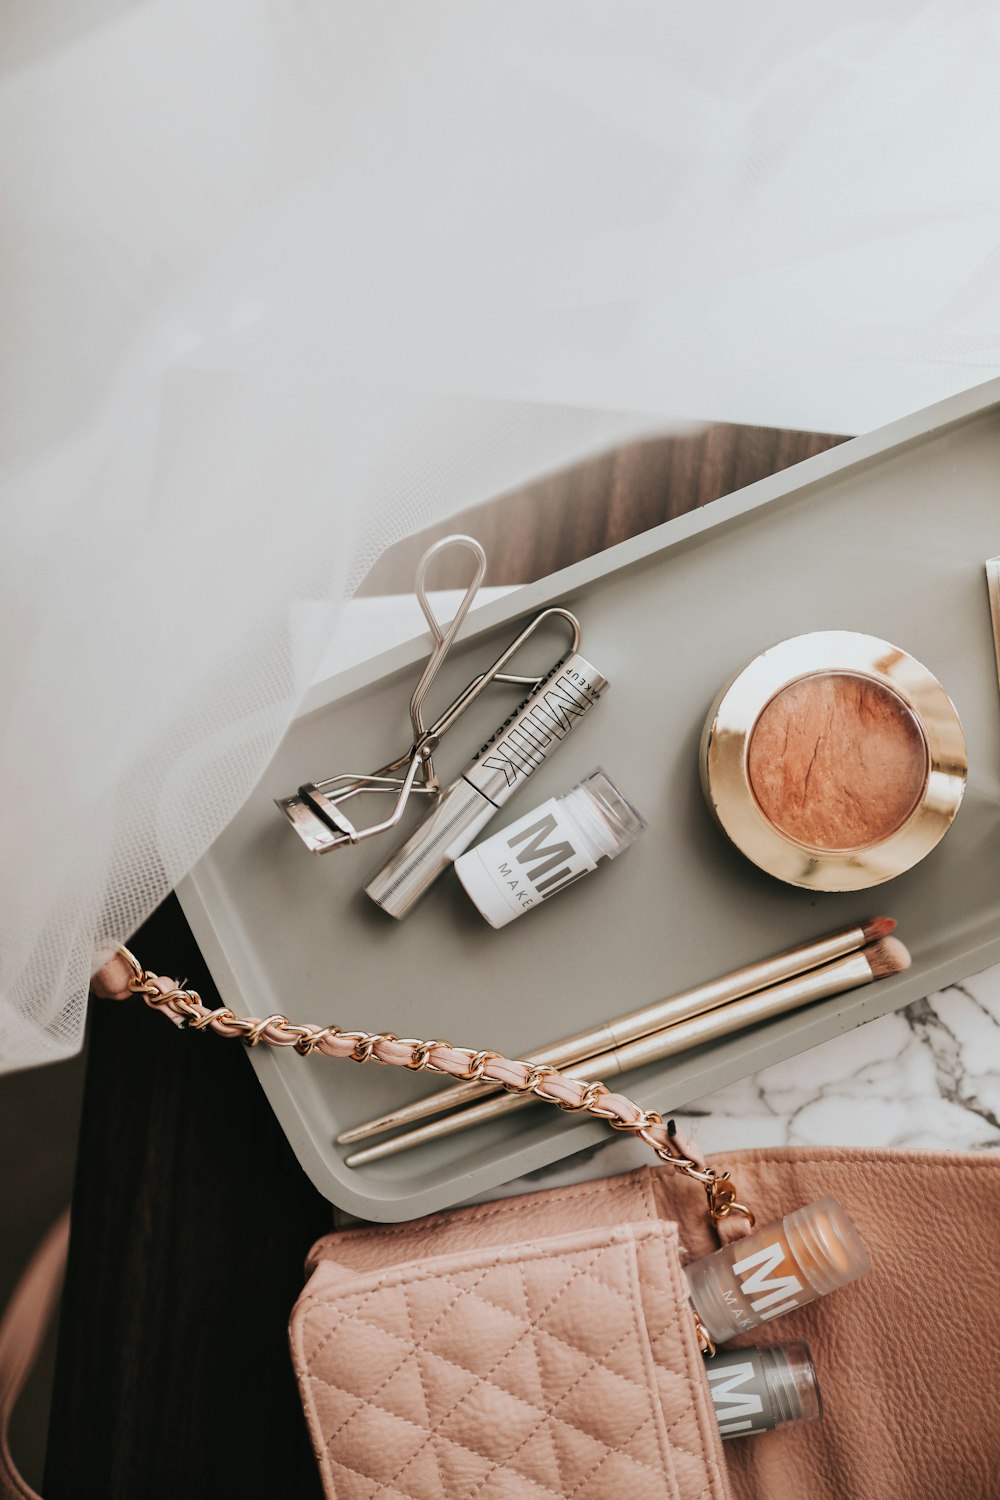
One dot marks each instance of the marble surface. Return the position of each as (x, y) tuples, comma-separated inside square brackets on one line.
[(925, 1077)]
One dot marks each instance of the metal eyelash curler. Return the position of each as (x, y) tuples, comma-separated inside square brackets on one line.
[(555, 703)]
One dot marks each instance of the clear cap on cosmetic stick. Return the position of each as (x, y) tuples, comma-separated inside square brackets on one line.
[(776, 1268), (793, 1382), (610, 822), (826, 1245)]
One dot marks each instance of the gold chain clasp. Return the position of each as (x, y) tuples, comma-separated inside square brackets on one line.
[(140, 982), (706, 1343), (722, 1200)]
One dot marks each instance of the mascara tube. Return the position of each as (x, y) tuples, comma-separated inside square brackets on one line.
[(522, 743)]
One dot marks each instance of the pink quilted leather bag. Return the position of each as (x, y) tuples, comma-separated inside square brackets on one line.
[(534, 1348), (543, 1345)]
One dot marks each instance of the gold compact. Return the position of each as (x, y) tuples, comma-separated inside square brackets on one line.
[(834, 761)]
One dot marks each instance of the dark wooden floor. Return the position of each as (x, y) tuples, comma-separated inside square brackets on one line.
[(191, 1217), (580, 511)]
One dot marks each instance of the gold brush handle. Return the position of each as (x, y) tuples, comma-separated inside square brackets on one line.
[(640, 1023), (844, 974)]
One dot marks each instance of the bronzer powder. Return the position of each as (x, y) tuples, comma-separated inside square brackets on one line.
[(834, 760), (837, 761)]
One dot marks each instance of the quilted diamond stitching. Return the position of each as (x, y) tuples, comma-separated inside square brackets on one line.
[(524, 1441), (358, 1474), (552, 1415), (381, 1484), (662, 1437), (525, 1332), (315, 1378), (543, 1414), (584, 1271), (420, 1373), (589, 1269), (670, 1369), (620, 1448), (363, 1402), (355, 1317), (472, 1292)]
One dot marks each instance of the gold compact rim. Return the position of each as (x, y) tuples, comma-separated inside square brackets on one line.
[(733, 718)]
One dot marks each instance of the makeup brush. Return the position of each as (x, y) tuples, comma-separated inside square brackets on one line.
[(638, 1023), (879, 960)]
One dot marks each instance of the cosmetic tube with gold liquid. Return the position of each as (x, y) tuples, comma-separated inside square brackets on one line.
[(775, 1269)]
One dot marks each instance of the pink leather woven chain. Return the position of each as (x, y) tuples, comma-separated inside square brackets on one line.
[(123, 976)]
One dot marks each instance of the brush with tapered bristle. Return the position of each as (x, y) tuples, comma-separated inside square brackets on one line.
[(864, 966), (887, 956), (650, 1020)]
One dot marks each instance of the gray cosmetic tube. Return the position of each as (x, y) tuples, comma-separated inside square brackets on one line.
[(757, 1390)]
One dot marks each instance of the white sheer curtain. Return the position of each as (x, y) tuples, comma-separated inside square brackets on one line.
[(283, 282)]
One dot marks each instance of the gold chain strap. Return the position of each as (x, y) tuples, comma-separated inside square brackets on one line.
[(185, 1007)]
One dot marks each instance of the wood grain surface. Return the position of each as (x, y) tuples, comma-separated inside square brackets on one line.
[(578, 512), (191, 1217)]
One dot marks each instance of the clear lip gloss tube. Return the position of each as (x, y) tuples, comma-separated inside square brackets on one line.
[(757, 1390), (548, 849), (521, 744), (779, 1267)]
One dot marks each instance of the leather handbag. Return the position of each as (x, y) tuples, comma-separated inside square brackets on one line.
[(544, 1345)]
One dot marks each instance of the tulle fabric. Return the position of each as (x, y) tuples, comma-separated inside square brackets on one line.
[(284, 282)]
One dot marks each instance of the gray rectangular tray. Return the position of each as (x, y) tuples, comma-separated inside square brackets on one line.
[(886, 534)]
